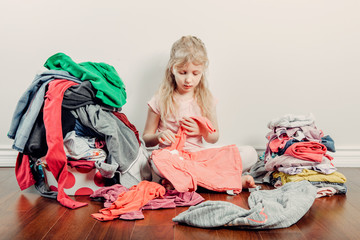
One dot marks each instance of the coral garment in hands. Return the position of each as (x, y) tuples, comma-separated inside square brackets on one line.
[(218, 169)]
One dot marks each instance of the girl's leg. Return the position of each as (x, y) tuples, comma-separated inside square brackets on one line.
[(249, 157)]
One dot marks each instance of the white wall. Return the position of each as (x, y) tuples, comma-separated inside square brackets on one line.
[(267, 58)]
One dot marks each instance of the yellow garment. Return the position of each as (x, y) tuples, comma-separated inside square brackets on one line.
[(312, 176)]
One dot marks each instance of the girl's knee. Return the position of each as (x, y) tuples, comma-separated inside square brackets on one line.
[(249, 157)]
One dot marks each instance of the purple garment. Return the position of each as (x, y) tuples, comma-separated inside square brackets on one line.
[(183, 199), (110, 194), (135, 215), (171, 199), (158, 203)]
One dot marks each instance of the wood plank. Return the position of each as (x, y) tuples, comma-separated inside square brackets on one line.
[(116, 229), (330, 218), (75, 224), (238, 234), (5, 173), (27, 215), (9, 187), (155, 232), (33, 224), (157, 224), (188, 232), (292, 232)]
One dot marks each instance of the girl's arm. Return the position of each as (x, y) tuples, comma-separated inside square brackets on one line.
[(212, 137), (150, 136)]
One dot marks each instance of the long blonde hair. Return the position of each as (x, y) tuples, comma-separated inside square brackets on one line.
[(188, 49)]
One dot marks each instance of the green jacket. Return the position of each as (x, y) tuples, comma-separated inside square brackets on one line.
[(103, 77)]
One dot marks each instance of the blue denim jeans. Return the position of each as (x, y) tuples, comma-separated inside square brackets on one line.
[(29, 106)]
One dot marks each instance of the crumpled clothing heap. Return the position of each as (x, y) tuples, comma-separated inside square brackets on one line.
[(131, 201), (269, 209), (171, 199)]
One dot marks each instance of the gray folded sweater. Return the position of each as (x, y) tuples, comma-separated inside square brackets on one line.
[(269, 209)]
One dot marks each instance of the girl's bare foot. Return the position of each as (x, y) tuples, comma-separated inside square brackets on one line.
[(247, 181), (167, 184)]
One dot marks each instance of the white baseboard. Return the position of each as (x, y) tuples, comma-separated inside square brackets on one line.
[(343, 157), (7, 157)]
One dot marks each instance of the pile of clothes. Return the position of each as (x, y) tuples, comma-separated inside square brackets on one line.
[(73, 112), (297, 150), (297, 162), (127, 204)]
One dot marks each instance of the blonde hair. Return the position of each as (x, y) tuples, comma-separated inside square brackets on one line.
[(188, 49)]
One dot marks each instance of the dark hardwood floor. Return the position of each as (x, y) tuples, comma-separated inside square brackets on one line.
[(27, 215)]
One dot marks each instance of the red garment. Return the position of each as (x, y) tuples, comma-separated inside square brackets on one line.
[(217, 169), (122, 117), (277, 144), (311, 151), (23, 173), (132, 200), (56, 157), (83, 164)]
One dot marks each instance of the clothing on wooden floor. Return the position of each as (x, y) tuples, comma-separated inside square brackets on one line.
[(280, 145), (138, 171), (269, 209), (310, 175), (311, 151), (329, 143), (77, 147), (279, 139), (170, 199), (36, 122), (103, 77), (181, 199), (325, 192), (121, 143), (258, 171), (217, 169), (122, 117), (130, 201), (29, 106), (83, 164), (108, 194), (36, 146), (296, 146), (292, 165), (55, 157), (23, 172), (339, 187)]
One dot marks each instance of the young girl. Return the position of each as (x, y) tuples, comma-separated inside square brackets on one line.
[(183, 93)]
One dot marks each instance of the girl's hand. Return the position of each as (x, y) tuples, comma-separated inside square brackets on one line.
[(166, 137), (191, 127)]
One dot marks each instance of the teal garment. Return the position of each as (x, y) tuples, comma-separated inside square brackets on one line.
[(103, 77)]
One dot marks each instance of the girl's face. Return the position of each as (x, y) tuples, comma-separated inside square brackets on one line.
[(187, 77)]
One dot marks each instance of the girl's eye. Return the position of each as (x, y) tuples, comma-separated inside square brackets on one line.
[(182, 72)]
